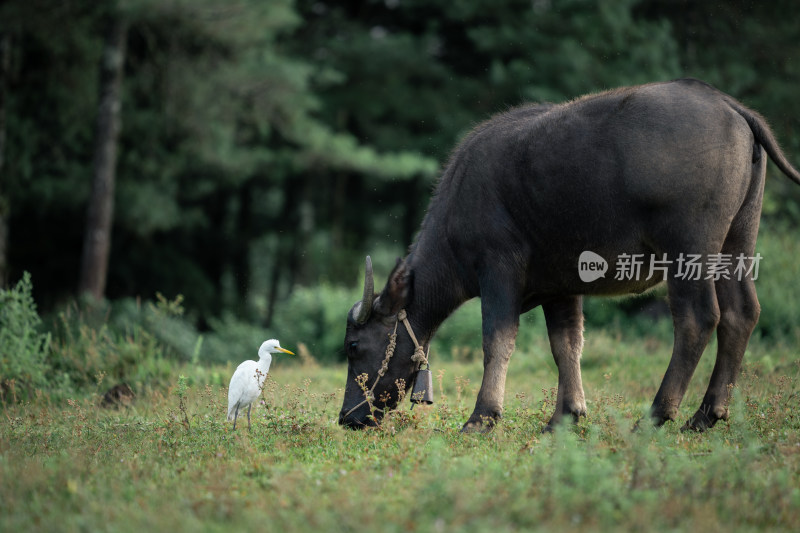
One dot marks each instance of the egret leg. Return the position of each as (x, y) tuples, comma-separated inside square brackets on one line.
[(235, 416), (248, 416)]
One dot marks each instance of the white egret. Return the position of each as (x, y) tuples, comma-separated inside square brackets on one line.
[(248, 380)]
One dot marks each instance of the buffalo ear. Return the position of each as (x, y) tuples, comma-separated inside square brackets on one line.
[(395, 295)]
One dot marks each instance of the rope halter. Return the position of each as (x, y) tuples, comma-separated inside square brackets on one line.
[(419, 357)]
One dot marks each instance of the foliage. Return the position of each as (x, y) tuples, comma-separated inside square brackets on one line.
[(267, 146), (232, 340), (316, 317), (78, 354), (777, 285), (86, 347), (23, 346), (88, 353), (74, 466)]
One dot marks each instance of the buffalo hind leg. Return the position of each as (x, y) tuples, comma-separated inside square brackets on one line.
[(564, 319), (500, 323), (695, 315), (738, 307), (739, 310)]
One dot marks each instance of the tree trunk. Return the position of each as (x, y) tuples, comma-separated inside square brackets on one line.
[(5, 201), (97, 238)]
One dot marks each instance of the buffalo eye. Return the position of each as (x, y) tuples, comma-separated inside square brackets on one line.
[(353, 346)]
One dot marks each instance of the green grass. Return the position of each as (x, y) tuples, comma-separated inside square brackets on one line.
[(67, 466)]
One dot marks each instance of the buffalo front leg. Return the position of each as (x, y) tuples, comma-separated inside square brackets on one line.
[(695, 314), (564, 319), (500, 319)]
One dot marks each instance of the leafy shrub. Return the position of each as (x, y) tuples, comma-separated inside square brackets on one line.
[(232, 340), (85, 354), (778, 290), (163, 319), (102, 343), (316, 316), (23, 347)]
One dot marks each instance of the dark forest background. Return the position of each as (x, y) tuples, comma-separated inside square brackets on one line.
[(239, 151)]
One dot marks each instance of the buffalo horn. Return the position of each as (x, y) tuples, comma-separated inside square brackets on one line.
[(366, 302)]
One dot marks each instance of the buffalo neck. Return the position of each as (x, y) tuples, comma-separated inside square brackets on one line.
[(437, 290)]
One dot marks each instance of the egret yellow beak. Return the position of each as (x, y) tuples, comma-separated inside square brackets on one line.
[(284, 350)]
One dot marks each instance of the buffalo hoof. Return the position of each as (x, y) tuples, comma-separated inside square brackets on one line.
[(652, 421), (482, 424), (574, 415), (703, 419), (658, 417), (691, 426), (550, 427)]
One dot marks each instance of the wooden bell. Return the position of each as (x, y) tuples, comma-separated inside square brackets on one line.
[(422, 392)]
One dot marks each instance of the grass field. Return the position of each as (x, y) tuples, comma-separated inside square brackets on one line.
[(170, 462)]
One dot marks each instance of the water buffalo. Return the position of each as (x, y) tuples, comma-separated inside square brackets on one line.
[(536, 202)]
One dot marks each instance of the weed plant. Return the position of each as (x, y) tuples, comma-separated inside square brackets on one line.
[(23, 346)]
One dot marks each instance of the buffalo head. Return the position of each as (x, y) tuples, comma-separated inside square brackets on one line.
[(370, 325)]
